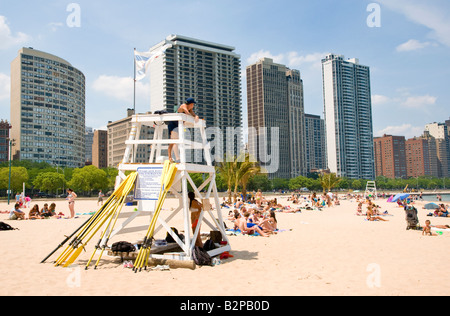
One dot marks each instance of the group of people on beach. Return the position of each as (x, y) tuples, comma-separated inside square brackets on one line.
[(37, 213)]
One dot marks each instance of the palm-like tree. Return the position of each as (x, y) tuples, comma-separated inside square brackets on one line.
[(245, 169), (237, 171), (227, 171), (329, 181)]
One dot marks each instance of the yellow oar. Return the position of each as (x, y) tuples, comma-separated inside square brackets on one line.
[(79, 244), (127, 189), (84, 229), (163, 175), (167, 182)]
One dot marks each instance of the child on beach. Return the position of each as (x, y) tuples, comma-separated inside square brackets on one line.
[(34, 213), (427, 229)]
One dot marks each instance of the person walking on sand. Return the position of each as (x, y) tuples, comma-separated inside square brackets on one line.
[(186, 108), (71, 196)]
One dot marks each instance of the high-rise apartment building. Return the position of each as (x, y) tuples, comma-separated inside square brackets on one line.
[(47, 109), (100, 149), (348, 117), (390, 156), (315, 143), (118, 133), (421, 157), (208, 72), (440, 133), (88, 139), (275, 100), (4, 140)]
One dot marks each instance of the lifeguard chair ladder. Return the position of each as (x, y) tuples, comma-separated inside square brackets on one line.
[(180, 185), (371, 189)]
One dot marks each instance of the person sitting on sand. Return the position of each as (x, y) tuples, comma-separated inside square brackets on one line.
[(45, 212), (269, 225), (371, 217), (248, 228), (359, 210), (427, 229), (16, 213), (34, 213)]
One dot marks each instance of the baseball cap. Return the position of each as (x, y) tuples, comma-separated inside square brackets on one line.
[(190, 100)]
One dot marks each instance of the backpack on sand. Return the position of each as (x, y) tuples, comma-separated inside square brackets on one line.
[(4, 226), (201, 257)]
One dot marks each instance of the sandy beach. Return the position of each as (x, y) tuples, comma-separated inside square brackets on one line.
[(329, 252)]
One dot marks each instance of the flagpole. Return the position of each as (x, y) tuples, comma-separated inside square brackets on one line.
[(134, 94)]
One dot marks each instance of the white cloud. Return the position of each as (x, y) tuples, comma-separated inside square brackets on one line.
[(7, 39), (432, 14), (5, 87), (378, 99), (419, 101), (290, 59), (406, 130), (120, 88), (264, 53), (412, 45)]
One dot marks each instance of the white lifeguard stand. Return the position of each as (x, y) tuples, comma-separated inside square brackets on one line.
[(371, 189), (179, 188)]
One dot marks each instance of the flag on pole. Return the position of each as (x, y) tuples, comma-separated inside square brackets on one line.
[(144, 59)]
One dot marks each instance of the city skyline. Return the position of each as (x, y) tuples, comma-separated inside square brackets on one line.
[(406, 53)]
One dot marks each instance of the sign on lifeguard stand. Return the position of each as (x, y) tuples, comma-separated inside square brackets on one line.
[(148, 182)]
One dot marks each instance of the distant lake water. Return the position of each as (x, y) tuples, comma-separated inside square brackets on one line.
[(433, 198)]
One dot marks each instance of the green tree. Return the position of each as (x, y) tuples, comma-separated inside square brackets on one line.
[(244, 169), (49, 181), (19, 175), (329, 181), (88, 179)]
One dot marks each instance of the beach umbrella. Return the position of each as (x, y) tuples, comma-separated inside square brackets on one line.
[(390, 199), (431, 206), (400, 196)]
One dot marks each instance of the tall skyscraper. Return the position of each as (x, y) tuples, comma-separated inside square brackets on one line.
[(47, 109), (275, 100), (208, 72), (348, 117), (315, 143)]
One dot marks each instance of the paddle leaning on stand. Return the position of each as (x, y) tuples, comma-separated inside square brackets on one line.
[(167, 179), (93, 225)]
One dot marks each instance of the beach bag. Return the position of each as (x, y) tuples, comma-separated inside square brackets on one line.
[(170, 239), (201, 257), (4, 226), (209, 245), (123, 246)]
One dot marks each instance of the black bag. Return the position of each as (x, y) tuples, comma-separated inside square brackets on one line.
[(201, 257), (209, 245), (122, 246), (4, 226), (170, 239)]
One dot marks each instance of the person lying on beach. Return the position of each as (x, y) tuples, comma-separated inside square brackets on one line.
[(371, 216), (16, 213), (248, 228)]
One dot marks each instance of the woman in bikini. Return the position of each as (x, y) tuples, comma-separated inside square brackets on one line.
[(71, 196), (196, 208)]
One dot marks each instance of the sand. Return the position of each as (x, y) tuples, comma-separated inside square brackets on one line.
[(329, 252)]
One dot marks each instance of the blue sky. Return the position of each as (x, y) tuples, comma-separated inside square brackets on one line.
[(408, 54)]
